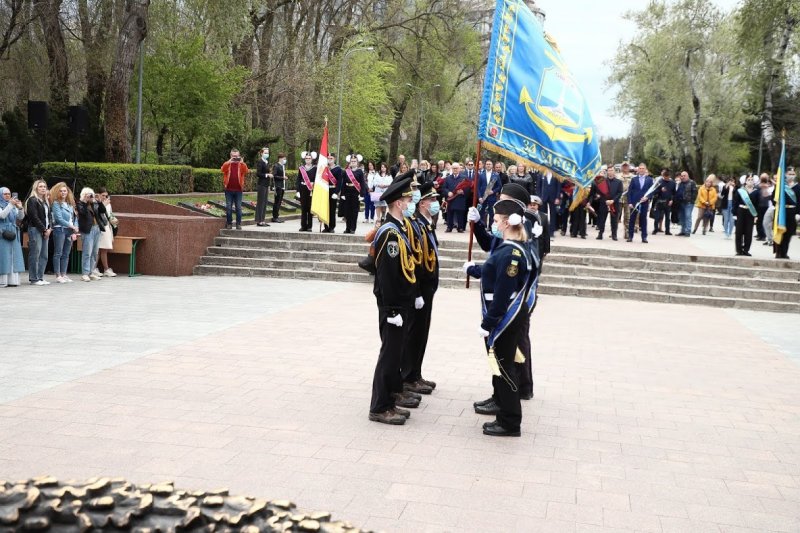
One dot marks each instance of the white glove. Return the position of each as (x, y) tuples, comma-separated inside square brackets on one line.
[(797, 218), (419, 303), (482, 332), (395, 321), (297, 195), (473, 215), (334, 196), (466, 266), (537, 230)]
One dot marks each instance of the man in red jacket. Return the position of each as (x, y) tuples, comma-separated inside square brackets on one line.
[(234, 172)]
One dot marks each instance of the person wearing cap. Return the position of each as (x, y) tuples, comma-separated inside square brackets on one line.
[(543, 242), (744, 210), (396, 291), (305, 186), (427, 273), (353, 186), (334, 190), (792, 191), (504, 282)]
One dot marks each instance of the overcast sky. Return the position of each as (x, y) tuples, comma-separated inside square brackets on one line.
[(588, 33)]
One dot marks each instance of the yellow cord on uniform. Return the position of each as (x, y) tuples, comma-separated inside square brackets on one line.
[(412, 239), (407, 262), (428, 253)]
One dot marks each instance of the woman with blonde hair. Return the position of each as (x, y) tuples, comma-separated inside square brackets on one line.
[(40, 225), (91, 224), (65, 228), (706, 203)]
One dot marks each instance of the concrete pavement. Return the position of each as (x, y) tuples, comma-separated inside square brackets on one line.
[(647, 417)]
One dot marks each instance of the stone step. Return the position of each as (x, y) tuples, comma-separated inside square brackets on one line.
[(222, 270), (667, 287)]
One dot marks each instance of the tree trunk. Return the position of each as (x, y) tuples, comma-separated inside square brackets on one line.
[(95, 46), (767, 127), (16, 26), (694, 129), (680, 140), (160, 143), (394, 139), (131, 34), (48, 12)]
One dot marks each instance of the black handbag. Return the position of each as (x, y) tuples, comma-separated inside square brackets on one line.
[(9, 235)]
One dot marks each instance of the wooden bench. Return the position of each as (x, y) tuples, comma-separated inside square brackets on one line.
[(123, 244)]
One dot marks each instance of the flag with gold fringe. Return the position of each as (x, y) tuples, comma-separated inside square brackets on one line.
[(320, 199), (532, 108), (779, 223)]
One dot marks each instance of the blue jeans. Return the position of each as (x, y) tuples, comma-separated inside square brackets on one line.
[(685, 216), (91, 245), (369, 207), (37, 254), (233, 197), (62, 246), (727, 219)]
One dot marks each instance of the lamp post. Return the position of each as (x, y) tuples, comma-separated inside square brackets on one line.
[(139, 106), (421, 115), (341, 94)]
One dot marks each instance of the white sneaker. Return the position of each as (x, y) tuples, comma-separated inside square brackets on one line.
[(68, 280), (95, 272), (94, 276), (44, 282), (85, 278), (110, 273), (60, 280), (41, 282)]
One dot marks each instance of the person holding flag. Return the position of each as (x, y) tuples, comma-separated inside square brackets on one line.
[(784, 225), (321, 197), (353, 186), (335, 182), (744, 210), (639, 200)]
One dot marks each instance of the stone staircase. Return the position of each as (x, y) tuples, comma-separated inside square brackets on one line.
[(743, 283)]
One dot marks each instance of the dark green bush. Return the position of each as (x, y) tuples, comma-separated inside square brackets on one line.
[(124, 178)]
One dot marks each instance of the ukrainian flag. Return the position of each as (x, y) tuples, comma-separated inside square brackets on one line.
[(532, 108), (779, 223)]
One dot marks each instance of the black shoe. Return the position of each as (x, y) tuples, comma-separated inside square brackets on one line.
[(574, 236), (489, 424), (613, 238), (488, 409), (644, 241), (448, 230), (563, 233), (496, 430), (599, 237), (583, 236), (417, 387), (277, 221), (655, 231), (429, 383), (481, 403), (748, 254), (667, 233), (628, 240), (404, 401), (402, 412), (527, 395), (304, 229), (461, 231), (228, 226), (238, 226), (388, 417)]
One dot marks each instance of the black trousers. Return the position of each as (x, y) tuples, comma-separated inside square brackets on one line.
[(603, 213), (506, 395), (525, 370), (419, 327), (261, 202), (276, 202), (663, 212), (577, 222), (791, 228), (456, 217), (351, 208), (744, 230), (332, 214), (305, 208), (387, 379), (760, 212)]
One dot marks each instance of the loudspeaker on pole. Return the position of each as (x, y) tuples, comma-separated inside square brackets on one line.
[(78, 119), (38, 113)]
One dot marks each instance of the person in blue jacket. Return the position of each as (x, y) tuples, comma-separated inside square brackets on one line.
[(504, 279)]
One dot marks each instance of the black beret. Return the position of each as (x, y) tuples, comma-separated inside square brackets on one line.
[(426, 190), (509, 207), (517, 192), (398, 189)]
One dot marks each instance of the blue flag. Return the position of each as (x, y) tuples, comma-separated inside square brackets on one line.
[(779, 222), (532, 108)]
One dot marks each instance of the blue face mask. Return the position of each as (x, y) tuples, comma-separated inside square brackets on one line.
[(415, 196), (265, 157), (434, 208), (496, 231), (409, 210)]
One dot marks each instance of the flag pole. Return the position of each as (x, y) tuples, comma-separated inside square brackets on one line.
[(474, 202)]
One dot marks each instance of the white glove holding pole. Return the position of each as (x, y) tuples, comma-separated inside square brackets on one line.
[(473, 215), (334, 196), (297, 195), (482, 332), (537, 230), (467, 265), (419, 303), (395, 321)]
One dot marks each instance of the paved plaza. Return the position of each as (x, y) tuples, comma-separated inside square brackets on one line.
[(647, 417)]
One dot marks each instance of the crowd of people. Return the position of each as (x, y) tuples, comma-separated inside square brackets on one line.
[(620, 194), (54, 213)]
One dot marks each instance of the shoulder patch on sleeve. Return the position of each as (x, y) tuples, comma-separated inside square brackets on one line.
[(512, 269), (393, 249)]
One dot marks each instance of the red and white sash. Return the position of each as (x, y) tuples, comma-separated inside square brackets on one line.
[(353, 180), (306, 179)]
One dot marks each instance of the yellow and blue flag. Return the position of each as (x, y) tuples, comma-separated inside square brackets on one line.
[(779, 222), (532, 108)]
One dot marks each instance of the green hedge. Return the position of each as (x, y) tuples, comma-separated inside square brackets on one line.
[(125, 178), (148, 179)]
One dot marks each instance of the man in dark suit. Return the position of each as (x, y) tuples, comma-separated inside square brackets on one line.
[(609, 209), (639, 185), (456, 195), (549, 190), (487, 196)]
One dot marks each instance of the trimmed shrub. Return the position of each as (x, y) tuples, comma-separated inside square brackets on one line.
[(210, 180), (121, 178)]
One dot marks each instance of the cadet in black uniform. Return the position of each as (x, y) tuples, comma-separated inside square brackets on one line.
[(353, 186), (745, 208), (395, 290), (792, 192), (305, 185), (334, 189), (504, 280), (427, 273)]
